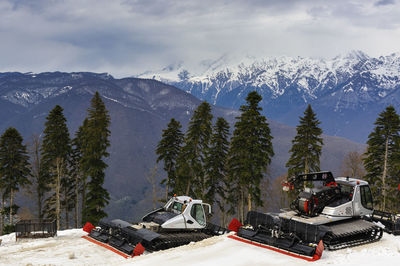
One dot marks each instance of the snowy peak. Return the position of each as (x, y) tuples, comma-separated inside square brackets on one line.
[(341, 88), (308, 78)]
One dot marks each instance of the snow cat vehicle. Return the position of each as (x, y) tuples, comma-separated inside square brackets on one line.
[(182, 220), (333, 214)]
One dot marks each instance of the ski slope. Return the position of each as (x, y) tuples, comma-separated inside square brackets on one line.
[(68, 248)]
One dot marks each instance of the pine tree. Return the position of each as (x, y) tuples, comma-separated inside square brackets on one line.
[(250, 154), (96, 144), (381, 158), (75, 173), (168, 150), (216, 166), (307, 145), (55, 151), (80, 145), (191, 172), (393, 193), (37, 174), (14, 166)]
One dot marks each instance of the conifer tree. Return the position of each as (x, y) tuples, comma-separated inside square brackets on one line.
[(216, 166), (75, 173), (93, 166), (306, 145), (55, 151), (67, 194), (191, 160), (168, 150), (37, 175), (80, 146), (250, 153), (381, 158), (14, 166)]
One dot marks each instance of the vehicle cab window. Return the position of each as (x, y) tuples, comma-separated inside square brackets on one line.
[(366, 197), (176, 207), (197, 212), (347, 192)]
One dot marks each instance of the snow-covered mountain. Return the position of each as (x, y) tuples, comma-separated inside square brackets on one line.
[(347, 91)]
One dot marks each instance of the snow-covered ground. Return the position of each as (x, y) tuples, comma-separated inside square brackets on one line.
[(68, 248)]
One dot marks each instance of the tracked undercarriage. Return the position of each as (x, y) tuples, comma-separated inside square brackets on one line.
[(351, 233)]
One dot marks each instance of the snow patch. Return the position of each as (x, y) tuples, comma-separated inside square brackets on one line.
[(164, 91)]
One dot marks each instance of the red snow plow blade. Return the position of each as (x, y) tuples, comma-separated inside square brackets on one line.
[(107, 247), (104, 239), (287, 244), (315, 257)]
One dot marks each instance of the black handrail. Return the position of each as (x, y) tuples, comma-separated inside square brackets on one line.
[(35, 228)]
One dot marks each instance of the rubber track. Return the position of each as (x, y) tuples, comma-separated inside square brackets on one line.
[(171, 240), (344, 236)]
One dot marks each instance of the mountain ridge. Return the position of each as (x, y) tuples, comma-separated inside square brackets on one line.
[(343, 90)]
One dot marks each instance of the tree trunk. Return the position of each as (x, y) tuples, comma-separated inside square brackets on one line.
[(306, 168), (241, 214), (187, 188), (66, 210), (39, 204), (384, 173), (223, 214), (167, 190), (249, 201), (58, 185), (1, 215), (76, 201), (11, 206), (83, 210), (203, 188), (167, 185), (36, 171)]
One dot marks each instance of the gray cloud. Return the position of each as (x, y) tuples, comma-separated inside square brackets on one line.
[(126, 37), (385, 2)]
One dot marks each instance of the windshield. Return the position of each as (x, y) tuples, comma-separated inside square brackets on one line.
[(176, 207), (347, 191)]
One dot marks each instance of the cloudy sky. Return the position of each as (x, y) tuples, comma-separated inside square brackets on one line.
[(127, 37)]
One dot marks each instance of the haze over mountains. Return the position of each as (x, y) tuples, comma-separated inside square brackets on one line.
[(347, 92), (139, 110)]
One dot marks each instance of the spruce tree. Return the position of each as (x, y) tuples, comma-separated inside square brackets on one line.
[(55, 152), (306, 145), (75, 173), (191, 160), (37, 174), (381, 158), (80, 146), (14, 166), (216, 166), (168, 150), (250, 153), (93, 166)]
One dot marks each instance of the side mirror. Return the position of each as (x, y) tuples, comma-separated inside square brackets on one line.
[(208, 207)]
